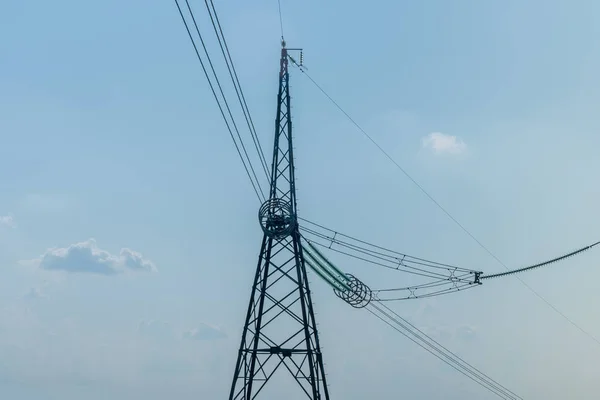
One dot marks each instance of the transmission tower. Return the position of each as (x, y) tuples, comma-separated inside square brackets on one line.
[(280, 332)]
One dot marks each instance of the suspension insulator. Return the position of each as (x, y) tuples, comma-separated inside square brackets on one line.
[(276, 218), (358, 296)]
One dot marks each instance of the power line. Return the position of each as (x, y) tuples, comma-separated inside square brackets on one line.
[(442, 208), (542, 264), (407, 269), (453, 360), (440, 352), (391, 259), (236, 84), (449, 359), (280, 18), (455, 356), (358, 295), (223, 94), (379, 250), (255, 185)]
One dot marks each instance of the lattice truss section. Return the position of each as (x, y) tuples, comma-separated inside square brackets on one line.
[(282, 178), (281, 327)]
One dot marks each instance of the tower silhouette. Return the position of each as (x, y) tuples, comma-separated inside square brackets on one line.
[(280, 332)]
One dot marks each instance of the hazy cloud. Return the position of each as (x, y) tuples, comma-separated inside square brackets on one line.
[(86, 257), (8, 220), (441, 143), (34, 293), (466, 332), (156, 329), (204, 332)]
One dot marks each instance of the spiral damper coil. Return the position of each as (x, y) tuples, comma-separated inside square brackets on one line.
[(276, 218), (358, 296)]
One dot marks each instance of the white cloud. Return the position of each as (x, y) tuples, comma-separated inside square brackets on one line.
[(205, 332), (441, 143), (8, 220), (86, 257)]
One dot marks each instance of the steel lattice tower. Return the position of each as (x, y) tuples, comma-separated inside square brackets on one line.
[(280, 332)]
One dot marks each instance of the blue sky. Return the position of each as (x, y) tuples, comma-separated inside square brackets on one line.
[(112, 147)]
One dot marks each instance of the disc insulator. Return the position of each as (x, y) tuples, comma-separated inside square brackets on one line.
[(276, 218)]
